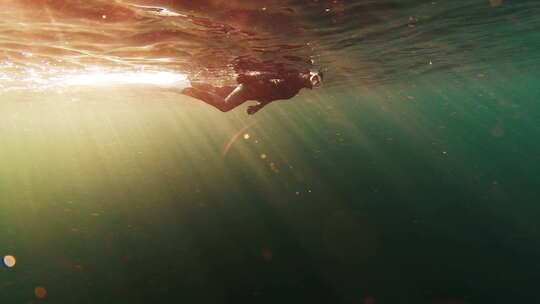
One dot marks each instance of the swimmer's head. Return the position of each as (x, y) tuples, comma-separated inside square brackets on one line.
[(316, 78)]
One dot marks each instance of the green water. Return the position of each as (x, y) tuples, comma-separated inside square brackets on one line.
[(416, 192)]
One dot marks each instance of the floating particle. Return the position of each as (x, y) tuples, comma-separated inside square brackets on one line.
[(444, 153), (263, 156), (40, 292), (409, 97), (481, 75), (495, 3), (512, 19), (9, 261), (267, 254), (273, 167), (497, 130), (369, 300), (94, 214), (246, 136)]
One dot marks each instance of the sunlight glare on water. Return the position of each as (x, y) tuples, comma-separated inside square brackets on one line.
[(410, 176), (166, 79)]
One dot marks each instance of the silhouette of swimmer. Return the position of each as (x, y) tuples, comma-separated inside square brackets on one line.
[(263, 87)]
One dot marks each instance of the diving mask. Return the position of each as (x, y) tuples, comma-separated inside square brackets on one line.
[(316, 78)]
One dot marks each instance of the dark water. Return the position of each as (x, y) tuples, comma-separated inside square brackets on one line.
[(411, 176)]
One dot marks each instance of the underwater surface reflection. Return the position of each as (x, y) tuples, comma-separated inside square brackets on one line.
[(410, 176)]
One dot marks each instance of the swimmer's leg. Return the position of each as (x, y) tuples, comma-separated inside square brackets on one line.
[(208, 97), (238, 96), (255, 108), (224, 99)]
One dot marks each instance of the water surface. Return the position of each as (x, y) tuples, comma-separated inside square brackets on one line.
[(411, 176)]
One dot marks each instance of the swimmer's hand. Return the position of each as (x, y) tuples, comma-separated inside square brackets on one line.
[(255, 108)]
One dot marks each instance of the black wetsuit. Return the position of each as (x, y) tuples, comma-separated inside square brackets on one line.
[(264, 87), (267, 87)]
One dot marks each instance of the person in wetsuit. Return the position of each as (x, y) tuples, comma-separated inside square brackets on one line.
[(263, 87)]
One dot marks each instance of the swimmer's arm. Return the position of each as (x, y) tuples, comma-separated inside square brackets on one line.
[(254, 76), (255, 108), (236, 94)]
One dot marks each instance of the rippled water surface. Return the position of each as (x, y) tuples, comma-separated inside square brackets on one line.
[(410, 176)]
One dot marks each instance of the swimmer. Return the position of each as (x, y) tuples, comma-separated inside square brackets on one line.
[(263, 87)]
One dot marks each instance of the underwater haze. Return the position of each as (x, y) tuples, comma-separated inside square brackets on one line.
[(411, 176)]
